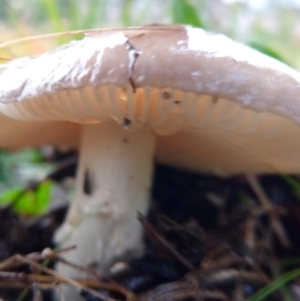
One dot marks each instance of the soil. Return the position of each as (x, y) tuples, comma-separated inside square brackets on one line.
[(207, 239)]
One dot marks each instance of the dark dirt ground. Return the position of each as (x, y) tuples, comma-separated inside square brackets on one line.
[(207, 239)]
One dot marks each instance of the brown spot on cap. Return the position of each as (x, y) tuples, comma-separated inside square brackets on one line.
[(215, 100), (126, 122), (166, 95)]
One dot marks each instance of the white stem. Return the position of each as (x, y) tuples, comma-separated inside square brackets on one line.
[(113, 184)]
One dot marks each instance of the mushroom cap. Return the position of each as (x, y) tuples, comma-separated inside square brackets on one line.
[(216, 105)]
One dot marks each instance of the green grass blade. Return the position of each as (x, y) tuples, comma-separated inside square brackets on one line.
[(184, 13), (52, 11), (294, 184), (126, 12), (74, 16), (287, 294), (263, 48), (275, 285), (94, 16)]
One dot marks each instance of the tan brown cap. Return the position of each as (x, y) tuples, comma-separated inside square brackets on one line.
[(190, 98), (237, 109)]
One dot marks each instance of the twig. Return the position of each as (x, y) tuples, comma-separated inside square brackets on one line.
[(13, 262), (58, 276), (155, 236), (21, 280), (269, 208)]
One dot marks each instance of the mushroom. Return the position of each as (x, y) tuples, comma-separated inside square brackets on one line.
[(181, 95)]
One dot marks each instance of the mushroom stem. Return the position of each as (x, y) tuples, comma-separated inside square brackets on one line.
[(113, 184)]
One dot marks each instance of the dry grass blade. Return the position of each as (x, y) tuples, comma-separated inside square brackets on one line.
[(10, 279), (31, 39), (6, 59), (181, 290), (82, 32), (157, 237), (23, 280), (14, 262), (58, 276), (270, 210)]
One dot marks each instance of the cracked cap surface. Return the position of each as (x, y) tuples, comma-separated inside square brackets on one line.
[(218, 106)]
